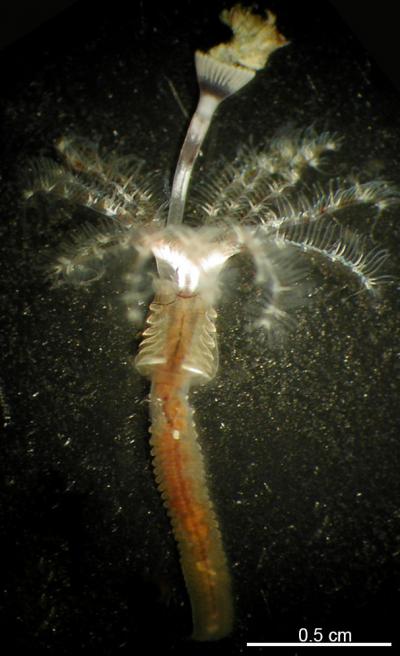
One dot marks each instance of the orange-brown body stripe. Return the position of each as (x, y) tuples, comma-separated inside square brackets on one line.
[(180, 472)]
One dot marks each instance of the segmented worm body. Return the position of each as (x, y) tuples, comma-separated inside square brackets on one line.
[(179, 349)]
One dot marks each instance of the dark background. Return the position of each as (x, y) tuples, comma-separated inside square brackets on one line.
[(376, 28), (302, 443)]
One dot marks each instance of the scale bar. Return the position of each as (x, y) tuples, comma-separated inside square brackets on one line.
[(319, 644)]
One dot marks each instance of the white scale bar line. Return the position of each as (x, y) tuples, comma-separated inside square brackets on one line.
[(319, 644)]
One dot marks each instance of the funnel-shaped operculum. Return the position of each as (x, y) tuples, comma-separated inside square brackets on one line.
[(222, 71)]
